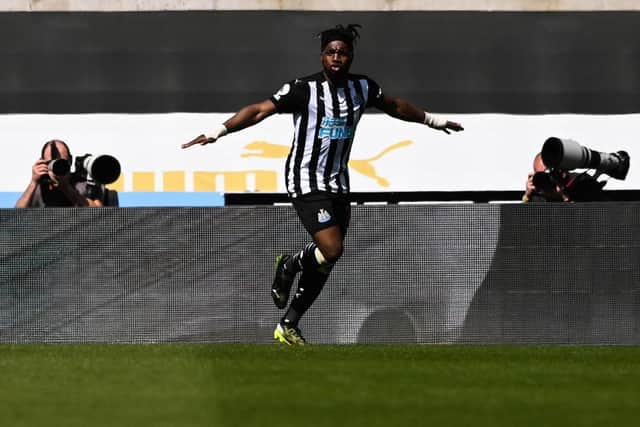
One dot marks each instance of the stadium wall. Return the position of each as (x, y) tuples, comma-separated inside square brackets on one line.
[(218, 61), (483, 273)]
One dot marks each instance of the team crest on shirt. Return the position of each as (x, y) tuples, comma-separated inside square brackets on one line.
[(323, 216)]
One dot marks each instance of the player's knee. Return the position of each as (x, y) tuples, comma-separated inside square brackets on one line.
[(332, 252)]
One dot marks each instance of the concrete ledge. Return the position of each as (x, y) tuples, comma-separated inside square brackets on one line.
[(325, 5)]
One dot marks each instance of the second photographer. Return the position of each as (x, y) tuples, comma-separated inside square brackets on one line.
[(554, 180)]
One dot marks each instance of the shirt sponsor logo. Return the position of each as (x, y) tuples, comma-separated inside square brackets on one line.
[(335, 128)]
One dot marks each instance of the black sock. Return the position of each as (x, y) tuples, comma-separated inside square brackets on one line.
[(309, 287), (303, 260)]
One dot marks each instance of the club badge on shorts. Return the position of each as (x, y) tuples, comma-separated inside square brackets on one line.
[(323, 216)]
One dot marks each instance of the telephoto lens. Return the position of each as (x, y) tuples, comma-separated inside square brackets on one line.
[(103, 168), (566, 154), (59, 167)]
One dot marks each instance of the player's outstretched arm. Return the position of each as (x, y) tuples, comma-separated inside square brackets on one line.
[(247, 116), (403, 110)]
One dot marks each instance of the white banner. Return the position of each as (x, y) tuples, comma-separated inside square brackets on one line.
[(495, 152)]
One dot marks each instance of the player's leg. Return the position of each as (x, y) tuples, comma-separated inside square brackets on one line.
[(321, 254), (325, 250), (315, 262), (309, 287), (320, 213), (315, 271)]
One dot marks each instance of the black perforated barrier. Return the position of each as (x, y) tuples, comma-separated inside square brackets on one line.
[(478, 273)]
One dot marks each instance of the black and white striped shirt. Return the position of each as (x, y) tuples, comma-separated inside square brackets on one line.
[(325, 118)]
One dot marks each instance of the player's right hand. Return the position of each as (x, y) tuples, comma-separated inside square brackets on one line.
[(456, 127), (199, 140)]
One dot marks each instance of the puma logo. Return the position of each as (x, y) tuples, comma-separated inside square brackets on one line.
[(267, 150), (366, 168)]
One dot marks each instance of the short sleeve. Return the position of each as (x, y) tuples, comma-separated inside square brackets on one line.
[(36, 200), (291, 97), (375, 96)]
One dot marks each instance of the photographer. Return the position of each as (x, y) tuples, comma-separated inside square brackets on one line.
[(553, 179), (51, 183), (549, 194)]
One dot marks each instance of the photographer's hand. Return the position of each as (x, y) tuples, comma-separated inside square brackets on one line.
[(38, 170), (530, 188)]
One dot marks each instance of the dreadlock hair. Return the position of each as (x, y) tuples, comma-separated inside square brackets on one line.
[(348, 34)]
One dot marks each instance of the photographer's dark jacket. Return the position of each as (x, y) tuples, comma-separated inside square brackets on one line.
[(48, 196), (577, 187)]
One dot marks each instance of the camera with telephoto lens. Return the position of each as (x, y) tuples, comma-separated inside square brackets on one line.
[(97, 171), (561, 156), (59, 167)]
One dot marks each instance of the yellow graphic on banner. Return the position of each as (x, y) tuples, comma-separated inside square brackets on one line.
[(118, 184), (366, 168), (266, 150), (173, 181), (244, 181), (144, 181), (264, 181)]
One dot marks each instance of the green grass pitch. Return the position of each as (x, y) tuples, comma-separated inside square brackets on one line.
[(322, 385)]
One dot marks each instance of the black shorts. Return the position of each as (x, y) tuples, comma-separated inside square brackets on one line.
[(318, 211)]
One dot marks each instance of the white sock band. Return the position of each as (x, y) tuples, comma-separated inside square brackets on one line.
[(434, 121), (218, 133), (319, 257)]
